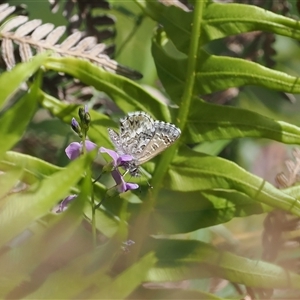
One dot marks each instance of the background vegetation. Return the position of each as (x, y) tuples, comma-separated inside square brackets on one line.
[(222, 218)]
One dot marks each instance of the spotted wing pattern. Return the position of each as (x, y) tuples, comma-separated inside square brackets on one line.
[(115, 139), (165, 135), (142, 137), (136, 131)]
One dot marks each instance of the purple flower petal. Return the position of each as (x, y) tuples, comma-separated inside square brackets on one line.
[(90, 146), (122, 185), (63, 205), (113, 154), (117, 176), (131, 186), (124, 158), (119, 160), (73, 150)]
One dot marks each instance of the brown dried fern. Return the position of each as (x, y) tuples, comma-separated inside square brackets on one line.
[(88, 16), (281, 229), (31, 37), (293, 168)]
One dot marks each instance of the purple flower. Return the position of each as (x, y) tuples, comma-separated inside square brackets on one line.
[(74, 150), (122, 185), (118, 160), (63, 205)]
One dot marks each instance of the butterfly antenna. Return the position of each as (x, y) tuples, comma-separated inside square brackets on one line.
[(146, 174), (125, 173)]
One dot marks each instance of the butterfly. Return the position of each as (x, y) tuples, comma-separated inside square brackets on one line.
[(143, 138)]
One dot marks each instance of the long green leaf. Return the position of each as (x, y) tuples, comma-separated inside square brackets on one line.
[(9, 179), (15, 120), (34, 169), (21, 209), (172, 293), (209, 122), (44, 244), (11, 81), (215, 73), (127, 281), (195, 259), (178, 212), (219, 20), (128, 95), (192, 171)]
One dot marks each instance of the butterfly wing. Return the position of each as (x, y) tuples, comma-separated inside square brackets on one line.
[(136, 131), (165, 135), (115, 139)]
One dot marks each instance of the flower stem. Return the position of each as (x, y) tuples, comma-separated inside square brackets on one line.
[(94, 229)]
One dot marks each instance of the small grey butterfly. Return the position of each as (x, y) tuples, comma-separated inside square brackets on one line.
[(142, 138)]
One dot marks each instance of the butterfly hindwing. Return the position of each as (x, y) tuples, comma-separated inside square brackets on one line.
[(165, 135), (136, 131)]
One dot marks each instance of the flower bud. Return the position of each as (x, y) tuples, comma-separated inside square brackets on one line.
[(76, 127)]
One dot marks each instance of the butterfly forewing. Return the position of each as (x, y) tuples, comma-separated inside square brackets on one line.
[(115, 139), (136, 131)]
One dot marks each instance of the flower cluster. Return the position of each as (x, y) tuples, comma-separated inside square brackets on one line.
[(119, 161), (75, 149)]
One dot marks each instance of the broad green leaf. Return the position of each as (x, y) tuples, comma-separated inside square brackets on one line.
[(193, 171), (171, 293), (195, 259), (215, 73), (9, 179), (44, 244), (178, 212), (219, 20), (128, 280), (128, 95), (35, 169), (212, 147), (208, 122), (19, 210), (15, 120), (106, 222), (11, 81)]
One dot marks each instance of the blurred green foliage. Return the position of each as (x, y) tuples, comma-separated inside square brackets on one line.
[(169, 241)]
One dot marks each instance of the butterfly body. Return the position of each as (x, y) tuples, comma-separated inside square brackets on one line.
[(143, 138)]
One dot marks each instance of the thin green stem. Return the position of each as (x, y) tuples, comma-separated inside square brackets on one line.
[(94, 230), (142, 220), (192, 64), (187, 95)]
